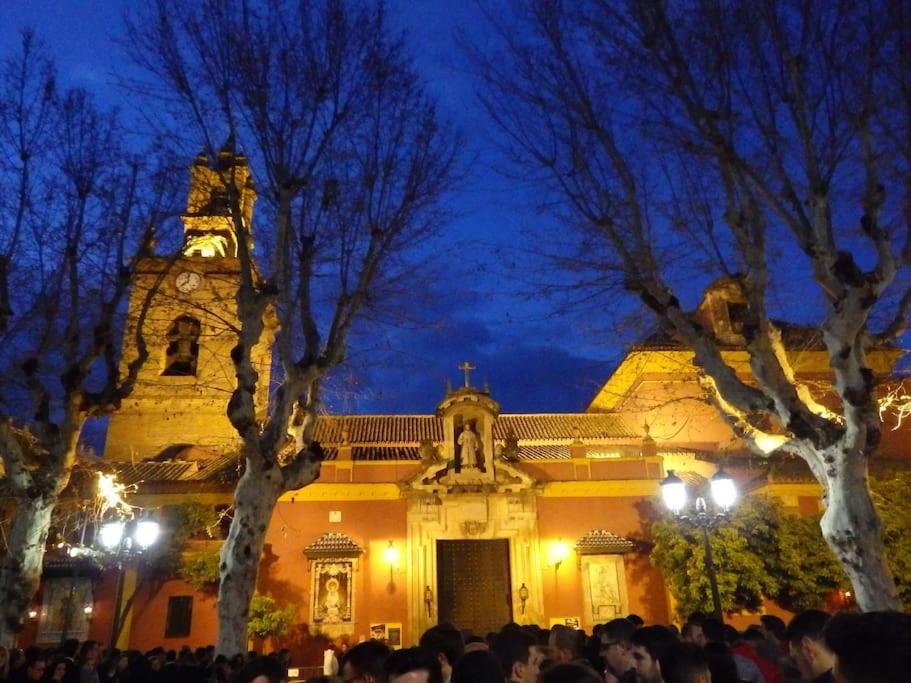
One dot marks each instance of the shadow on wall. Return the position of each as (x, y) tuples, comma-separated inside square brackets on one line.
[(641, 572)]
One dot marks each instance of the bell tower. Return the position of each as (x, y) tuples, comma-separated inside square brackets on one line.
[(186, 311)]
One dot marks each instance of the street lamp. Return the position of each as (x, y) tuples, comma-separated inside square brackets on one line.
[(122, 541), (724, 495)]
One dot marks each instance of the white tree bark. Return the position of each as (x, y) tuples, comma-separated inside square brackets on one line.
[(852, 529), (20, 568), (254, 500)]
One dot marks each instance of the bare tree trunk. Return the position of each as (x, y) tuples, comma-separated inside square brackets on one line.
[(254, 500), (20, 570), (852, 529)]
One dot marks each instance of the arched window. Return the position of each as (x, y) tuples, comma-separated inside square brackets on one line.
[(183, 347)]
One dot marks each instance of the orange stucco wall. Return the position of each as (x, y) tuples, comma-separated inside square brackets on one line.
[(285, 570), (570, 518)]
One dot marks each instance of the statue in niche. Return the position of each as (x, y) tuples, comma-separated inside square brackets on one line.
[(332, 602), (470, 452)]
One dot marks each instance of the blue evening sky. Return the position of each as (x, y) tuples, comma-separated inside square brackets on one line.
[(484, 307)]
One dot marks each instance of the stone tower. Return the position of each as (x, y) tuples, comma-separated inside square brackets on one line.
[(190, 324)]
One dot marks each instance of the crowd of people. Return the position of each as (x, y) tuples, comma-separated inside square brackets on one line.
[(814, 647), (88, 662)]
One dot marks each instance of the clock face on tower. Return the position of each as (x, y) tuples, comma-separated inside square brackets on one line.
[(187, 281)]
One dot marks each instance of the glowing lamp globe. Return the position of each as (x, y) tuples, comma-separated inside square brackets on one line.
[(391, 555), (673, 492), (724, 490), (110, 535), (559, 552), (147, 532)]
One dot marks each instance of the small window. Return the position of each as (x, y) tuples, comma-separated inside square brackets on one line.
[(180, 615), (183, 347)]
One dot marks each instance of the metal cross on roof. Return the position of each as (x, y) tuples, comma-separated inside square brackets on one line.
[(467, 367)]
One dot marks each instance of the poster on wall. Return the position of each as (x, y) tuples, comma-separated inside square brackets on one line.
[(572, 622), (390, 633), (63, 613), (332, 592), (604, 587)]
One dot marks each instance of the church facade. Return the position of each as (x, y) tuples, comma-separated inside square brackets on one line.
[(467, 513)]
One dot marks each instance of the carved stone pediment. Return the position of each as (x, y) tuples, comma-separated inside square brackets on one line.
[(473, 527)]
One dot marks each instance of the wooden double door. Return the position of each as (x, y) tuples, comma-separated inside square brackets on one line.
[(473, 584)]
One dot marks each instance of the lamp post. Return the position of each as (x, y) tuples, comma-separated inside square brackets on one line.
[(124, 540), (724, 495)]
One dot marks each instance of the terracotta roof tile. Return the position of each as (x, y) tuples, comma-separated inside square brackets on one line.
[(602, 542), (562, 426), (130, 473), (369, 429), (377, 453)]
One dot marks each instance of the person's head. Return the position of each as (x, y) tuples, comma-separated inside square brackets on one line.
[(806, 644), (364, 662), (570, 673), (518, 655), (444, 641), (262, 670), (774, 626), (69, 648), (616, 645), (480, 666), (692, 633), (35, 666), (413, 665), (721, 663), (635, 620), (714, 631), (870, 647), (754, 636), (58, 669), (566, 642), (650, 643), (89, 651), (685, 663)]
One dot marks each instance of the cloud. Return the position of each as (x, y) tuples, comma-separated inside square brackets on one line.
[(408, 373)]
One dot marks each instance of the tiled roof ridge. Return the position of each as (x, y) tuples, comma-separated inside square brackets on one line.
[(333, 543), (603, 541)]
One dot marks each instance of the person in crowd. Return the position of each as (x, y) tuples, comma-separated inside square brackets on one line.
[(721, 663), (476, 643), (636, 620), (364, 662), (870, 647), (713, 631), (16, 661), (752, 645), (518, 654), (812, 657), (480, 666), (650, 643), (568, 645), (616, 651), (685, 663), (87, 662), (60, 670), (447, 644), (414, 665), (32, 670), (569, 673), (262, 670)]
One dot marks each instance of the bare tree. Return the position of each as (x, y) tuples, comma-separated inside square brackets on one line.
[(76, 207), (353, 162), (767, 142)]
